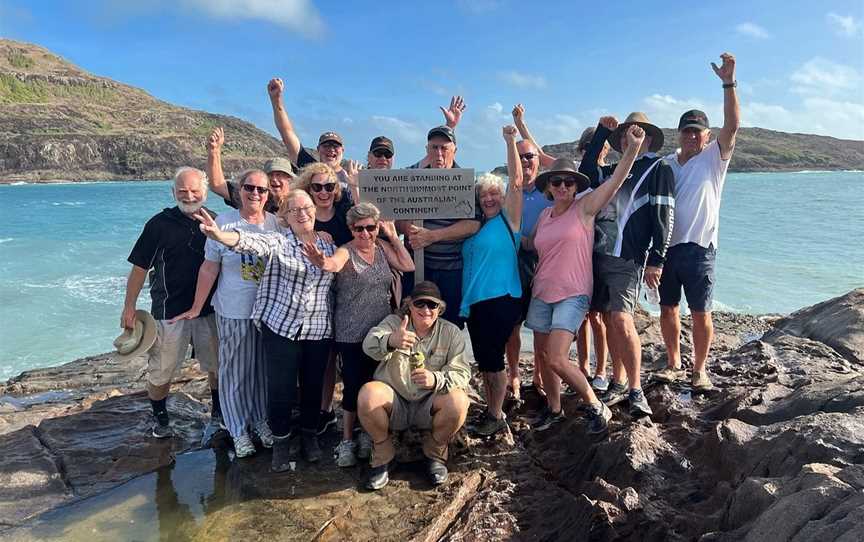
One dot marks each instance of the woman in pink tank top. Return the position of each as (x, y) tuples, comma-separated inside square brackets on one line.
[(564, 239)]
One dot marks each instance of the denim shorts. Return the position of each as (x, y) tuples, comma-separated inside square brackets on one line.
[(567, 314)]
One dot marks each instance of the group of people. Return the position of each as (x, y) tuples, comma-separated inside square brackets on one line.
[(303, 277)]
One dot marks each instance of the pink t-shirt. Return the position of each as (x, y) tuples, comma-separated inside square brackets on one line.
[(564, 244)]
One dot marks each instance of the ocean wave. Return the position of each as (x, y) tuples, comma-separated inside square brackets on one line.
[(6, 240), (69, 203), (100, 290)]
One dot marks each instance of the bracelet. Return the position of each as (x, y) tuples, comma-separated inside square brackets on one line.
[(733, 84)]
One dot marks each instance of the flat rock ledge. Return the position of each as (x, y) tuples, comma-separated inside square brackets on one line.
[(774, 453)]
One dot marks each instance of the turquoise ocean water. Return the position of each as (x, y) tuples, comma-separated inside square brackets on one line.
[(787, 240)]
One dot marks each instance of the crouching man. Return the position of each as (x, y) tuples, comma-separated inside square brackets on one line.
[(420, 382)]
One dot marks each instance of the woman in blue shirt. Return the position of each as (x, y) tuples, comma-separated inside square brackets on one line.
[(491, 290)]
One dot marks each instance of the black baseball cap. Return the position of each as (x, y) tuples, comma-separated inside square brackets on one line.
[(442, 131), (382, 142), (330, 137), (693, 119)]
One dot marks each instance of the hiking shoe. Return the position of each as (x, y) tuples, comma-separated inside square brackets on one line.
[(598, 419), (326, 420), (262, 429), (639, 404), (311, 449), (547, 419), (491, 425), (701, 382), (600, 383), (378, 477), (282, 457), (616, 391), (243, 446), (162, 427), (670, 375), (364, 446), (345, 454), (436, 471)]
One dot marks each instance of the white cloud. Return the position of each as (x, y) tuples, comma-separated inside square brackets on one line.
[(664, 110), (400, 129), (821, 76), (843, 25), (752, 30), (297, 15), (523, 80)]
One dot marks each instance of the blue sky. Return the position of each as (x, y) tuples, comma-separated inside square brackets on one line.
[(370, 68)]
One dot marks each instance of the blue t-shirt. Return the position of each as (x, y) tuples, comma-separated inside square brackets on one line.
[(489, 264), (533, 203)]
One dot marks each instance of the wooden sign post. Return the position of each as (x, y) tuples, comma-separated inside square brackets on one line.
[(418, 195)]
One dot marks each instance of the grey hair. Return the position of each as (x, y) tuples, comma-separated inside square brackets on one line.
[(186, 169), (361, 211), (248, 173), (487, 181)]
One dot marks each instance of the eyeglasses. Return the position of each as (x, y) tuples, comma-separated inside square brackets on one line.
[(528, 156), (252, 188), (379, 153), (425, 304), (567, 181), (302, 210), (317, 187), (369, 227)]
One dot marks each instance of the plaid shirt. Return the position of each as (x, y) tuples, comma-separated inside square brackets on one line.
[(294, 296)]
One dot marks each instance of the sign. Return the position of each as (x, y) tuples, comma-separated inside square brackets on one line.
[(419, 194)]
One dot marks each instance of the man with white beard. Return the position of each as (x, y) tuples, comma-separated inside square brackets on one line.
[(171, 249)]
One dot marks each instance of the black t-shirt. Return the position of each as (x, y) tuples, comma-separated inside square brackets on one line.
[(171, 247), (337, 226), (233, 199)]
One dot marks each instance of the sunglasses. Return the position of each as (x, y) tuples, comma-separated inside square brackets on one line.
[(369, 227), (528, 156), (566, 181), (425, 304), (317, 187), (252, 188), (379, 153)]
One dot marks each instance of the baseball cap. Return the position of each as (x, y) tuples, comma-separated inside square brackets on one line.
[(382, 142), (330, 136), (279, 164), (693, 119), (426, 289), (442, 131)]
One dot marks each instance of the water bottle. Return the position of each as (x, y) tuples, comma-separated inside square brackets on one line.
[(652, 296)]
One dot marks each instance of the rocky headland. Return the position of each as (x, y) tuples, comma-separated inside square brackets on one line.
[(774, 453)]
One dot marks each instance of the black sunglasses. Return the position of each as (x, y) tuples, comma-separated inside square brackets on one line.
[(369, 227), (568, 182), (425, 304), (528, 156), (316, 187), (252, 188), (378, 153)]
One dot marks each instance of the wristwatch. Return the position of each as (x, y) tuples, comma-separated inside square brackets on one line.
[(733, 84)]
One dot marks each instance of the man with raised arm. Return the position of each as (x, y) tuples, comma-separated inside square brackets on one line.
[(630, 241), (700, 172)]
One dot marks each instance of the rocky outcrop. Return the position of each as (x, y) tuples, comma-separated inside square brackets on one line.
[(774, 453)]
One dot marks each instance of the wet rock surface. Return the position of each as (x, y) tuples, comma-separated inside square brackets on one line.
[(775, 452)]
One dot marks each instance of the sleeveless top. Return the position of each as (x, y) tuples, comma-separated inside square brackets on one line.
[(564, 244), (362, 295)]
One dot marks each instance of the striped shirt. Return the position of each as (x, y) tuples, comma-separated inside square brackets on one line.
[(294, 296)]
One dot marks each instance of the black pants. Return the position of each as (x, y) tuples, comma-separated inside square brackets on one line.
[(490, 324), (357, 369), (286, 359)]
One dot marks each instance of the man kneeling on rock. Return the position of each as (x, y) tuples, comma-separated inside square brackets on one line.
[(419, 382)]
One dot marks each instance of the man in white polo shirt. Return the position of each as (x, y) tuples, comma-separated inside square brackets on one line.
[(700, 172)]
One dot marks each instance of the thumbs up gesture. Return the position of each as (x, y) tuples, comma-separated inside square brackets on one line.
[(401, 338)]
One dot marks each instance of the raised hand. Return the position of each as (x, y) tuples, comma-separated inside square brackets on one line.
[(353, 168), (635, 136), (454, 112), (275, 88), (389, 228), (314, 254), (610, 123), (518, 113), (207, 225), (401, 338), (726, 71), (510, 132), (216, 139)]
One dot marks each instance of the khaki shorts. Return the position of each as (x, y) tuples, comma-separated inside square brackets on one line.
[(172, 344), (406, 414)]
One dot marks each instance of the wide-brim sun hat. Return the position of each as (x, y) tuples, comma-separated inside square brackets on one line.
[(138, 340), (562, 166), (640, 119)]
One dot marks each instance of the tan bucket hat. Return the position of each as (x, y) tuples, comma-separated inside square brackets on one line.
[(562, 166), (641, 119), (138, 340)]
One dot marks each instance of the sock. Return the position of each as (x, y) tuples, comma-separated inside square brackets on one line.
[(160, 411), (216, 412)]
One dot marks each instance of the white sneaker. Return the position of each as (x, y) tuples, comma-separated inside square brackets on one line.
[(364, 449), (600, 383), (345, 454), (243, 446), (262, 429)]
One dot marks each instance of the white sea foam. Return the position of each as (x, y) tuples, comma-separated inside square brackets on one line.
[(6, 240), (95, 289), (68, 203)]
